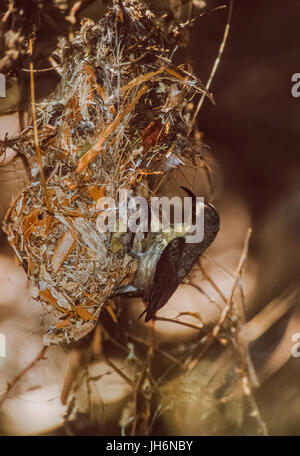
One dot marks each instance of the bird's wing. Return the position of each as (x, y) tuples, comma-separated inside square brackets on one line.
[(176, 262), (165, 279)]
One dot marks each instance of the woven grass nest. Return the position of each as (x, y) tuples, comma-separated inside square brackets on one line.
[(120, 115)]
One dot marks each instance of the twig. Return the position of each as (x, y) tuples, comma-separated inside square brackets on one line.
[(215, 66), (198, 288), (253, 405), (172, 320), (142, 397), (227, 307), (158, 350), (218, 265), (118, 371), (8, 12), (21, 374), (259, 324), (211, 281)]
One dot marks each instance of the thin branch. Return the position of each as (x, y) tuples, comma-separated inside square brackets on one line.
[(157, 350), (118, 371), (172, 320), (227, 307), (215, 66), (211, 281), (21, 374)]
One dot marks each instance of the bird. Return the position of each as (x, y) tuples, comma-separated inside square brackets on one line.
[(166, 258)]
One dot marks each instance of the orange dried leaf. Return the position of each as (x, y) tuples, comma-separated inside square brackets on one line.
[(72, 113), (31, 264), (46, 294), (152, 134), (93, 81), (97, 340), (74, 213), (96, 192), (171, 148), (147, 76), (149, 173), (63, 324), (31, 222), (140, 79), (70, 183), (111, 313), (84, 314), (48, 224), (167, 128)]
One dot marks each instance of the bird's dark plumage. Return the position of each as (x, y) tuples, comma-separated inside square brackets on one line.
[(165, 279), (176, 261)]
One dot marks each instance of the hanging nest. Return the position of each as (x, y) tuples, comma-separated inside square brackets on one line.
[(120, 115)]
